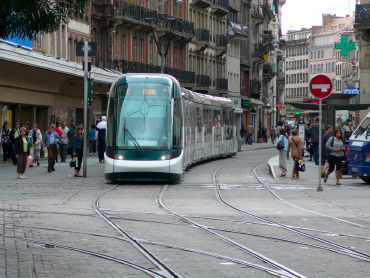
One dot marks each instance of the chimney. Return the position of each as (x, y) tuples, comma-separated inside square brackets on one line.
[(326, 19)]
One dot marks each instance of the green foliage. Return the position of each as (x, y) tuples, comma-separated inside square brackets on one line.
[(26, 18)]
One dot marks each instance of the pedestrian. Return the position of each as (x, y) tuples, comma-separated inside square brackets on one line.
[(272, 134), (63, 143), (101, 128), (92, 139), (250, 131), (50, 142), (36, 138), (335, 146), (78, 150), (324, 157), (6, 143), (59, 132), (307, 137), (264, 133), (287, 129), (72, 132), (22, 151), (295, 147), (315, 133), (282, 152)]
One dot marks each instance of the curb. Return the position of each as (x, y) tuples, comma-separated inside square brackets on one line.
[(271, 167)]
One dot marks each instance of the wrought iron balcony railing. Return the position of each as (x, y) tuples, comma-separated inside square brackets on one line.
[(202, 35), (221, 84), (202, 80), (221, 40), (268, 11), (202, 3), (220, 6)]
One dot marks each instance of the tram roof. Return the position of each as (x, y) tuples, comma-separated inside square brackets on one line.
[(193, 96)]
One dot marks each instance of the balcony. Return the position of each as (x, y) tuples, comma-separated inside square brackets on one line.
[(202, 35), (257, 12), (259, 50), (203, 81), (127, 12), (221, 41), (176, 26), (268, 40), (269, 71), (220, 7), (362, 20), (267, 10), (296, 42), (184, 77), (202, 3), (221, 84), (255, 85)]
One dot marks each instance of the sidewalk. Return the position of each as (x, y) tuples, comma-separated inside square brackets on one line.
[(40, 174), (258, 146)]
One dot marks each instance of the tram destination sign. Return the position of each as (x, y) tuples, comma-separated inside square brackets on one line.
[(321, 86)]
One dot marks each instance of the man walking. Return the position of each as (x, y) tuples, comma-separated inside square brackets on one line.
[(315, 133), (50, 142), (63, 143), (249, 134), (101, 128)]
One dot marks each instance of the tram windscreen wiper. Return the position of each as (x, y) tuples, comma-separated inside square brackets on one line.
[(136, 143)]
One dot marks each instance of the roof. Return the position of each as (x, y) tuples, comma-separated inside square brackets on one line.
[(332, 21)]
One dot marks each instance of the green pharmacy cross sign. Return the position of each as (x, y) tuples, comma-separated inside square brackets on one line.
[(344, 45)]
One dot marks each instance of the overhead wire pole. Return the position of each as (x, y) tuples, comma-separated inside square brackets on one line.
[(86, 58)]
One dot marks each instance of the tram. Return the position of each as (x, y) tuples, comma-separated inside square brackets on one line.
[(359, 151), (156, 128)]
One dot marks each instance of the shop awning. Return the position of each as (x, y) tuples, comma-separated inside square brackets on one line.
[(315, 107)]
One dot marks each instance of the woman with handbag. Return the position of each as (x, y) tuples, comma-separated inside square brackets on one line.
[(22, 151), (282, 146), (295, 146), (335, 147), (78, 150)]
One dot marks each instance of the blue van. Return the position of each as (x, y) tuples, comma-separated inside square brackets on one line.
[(359, 151)]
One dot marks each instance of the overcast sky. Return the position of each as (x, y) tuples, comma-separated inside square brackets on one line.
[(297, 14)]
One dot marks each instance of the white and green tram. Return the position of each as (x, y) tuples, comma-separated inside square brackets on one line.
[(156, 129)]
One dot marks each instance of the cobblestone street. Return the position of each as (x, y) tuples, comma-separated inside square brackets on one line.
[(50, 228)]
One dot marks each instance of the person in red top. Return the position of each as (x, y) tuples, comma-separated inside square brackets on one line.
[(59, 132)]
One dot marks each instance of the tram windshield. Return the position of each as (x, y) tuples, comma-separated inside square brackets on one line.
[(364, 126), (143, 114)]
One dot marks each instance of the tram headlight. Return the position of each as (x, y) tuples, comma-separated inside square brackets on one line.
[(167, 157), (120, 157)]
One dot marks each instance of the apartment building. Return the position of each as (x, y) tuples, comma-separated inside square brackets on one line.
[(362, 25), (296, 69)]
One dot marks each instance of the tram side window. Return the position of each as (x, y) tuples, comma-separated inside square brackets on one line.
[(110, 123), (177, 124), (199, 125), (208, 124), (227, 123), (217, 124)]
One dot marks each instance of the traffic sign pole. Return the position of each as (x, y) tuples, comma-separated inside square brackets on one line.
[(319, 188), (320, 87), (86, 60)]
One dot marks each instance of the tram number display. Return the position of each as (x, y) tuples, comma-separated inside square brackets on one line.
[(149, 92)]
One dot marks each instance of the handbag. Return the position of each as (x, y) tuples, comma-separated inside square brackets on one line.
[(300, 165), (72, 164)]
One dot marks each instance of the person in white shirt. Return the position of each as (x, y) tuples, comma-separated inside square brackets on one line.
[(63, 143)]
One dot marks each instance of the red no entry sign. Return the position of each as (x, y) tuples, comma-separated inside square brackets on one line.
[(321, 86)]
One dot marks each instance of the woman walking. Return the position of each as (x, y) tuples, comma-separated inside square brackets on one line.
[(22, 151), (335, 146), (296, 148), (78, 150), (36, 144), (282, 152)]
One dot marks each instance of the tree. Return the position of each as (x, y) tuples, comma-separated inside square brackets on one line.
[(26, 18)]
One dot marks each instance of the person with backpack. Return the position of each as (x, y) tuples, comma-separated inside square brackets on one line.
[(335, 147), (101, 128), (295, 146), (282, 146)]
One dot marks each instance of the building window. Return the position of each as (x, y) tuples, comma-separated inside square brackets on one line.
[(142, 51), (135, 50)]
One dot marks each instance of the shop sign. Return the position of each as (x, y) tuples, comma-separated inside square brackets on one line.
[(246, 103), (279, 106), (351, 92), (340, 117)]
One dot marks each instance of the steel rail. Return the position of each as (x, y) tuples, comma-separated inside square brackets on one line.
[(167, 271), (355, 253), (287, 272)]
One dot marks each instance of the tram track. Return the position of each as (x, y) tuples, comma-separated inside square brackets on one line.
[(343, 249), (163, 268), (283, 270)]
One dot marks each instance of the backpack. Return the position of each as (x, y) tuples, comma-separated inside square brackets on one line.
[(280, 145)]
